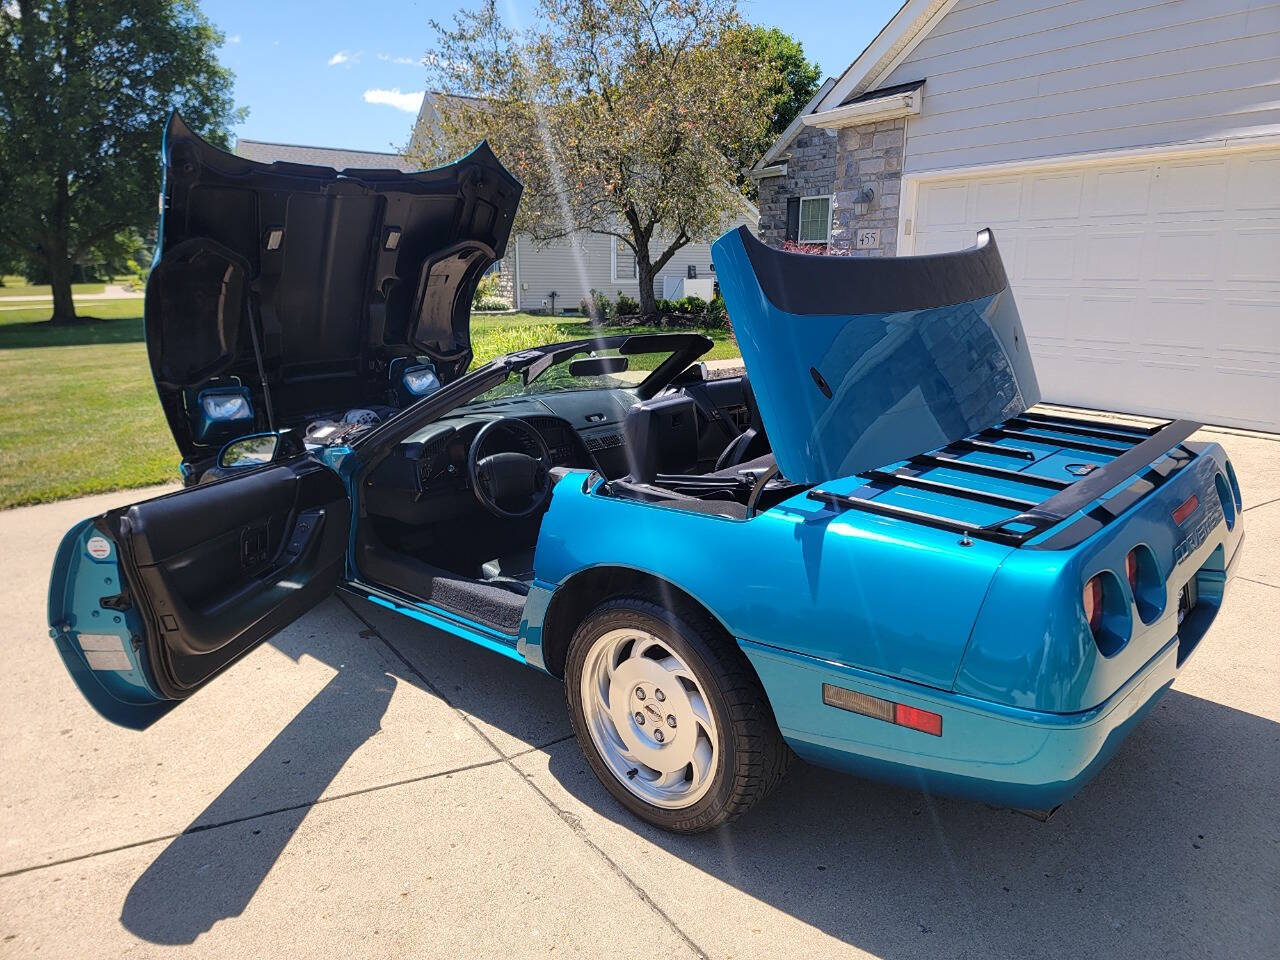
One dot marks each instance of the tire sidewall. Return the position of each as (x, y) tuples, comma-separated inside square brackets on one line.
[(624, 612)]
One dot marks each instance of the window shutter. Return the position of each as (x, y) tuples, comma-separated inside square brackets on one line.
[(793, 219), (625, 261)]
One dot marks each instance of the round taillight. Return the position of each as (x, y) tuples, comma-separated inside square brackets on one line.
[(1145, 583), (1226, 499), (1107, 612), (1235, 485), (1093, 604)]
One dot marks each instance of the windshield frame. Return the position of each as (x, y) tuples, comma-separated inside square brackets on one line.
[(684, 350)]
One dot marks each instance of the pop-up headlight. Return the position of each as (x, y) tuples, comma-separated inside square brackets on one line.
[(412, 378), (421, 381), (222, 413)]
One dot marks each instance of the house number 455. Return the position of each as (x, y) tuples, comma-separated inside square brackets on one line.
[(868, 239)]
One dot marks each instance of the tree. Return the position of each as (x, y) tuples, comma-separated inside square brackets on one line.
[(619, 116), (85, 89), (795, 82)]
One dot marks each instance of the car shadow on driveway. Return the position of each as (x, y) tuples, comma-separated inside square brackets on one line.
[(1173, 850)]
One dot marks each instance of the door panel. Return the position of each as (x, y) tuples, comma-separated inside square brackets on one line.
[(207, 573)]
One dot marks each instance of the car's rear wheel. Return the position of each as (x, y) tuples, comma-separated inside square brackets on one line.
[(670, 715)]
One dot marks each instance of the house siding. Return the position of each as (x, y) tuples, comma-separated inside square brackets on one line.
[(572, 268), (1009, 80)]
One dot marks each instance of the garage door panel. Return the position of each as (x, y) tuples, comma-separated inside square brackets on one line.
[(998, 202), (1113, 256), (1256, 185), (1046, 321), (1120, 193), (1047, 257), (1191, 186), (1104, 321), (1056, 196), (1255, 255), (945, 206), (1177, 323), (1146, 286), (1184, 255)]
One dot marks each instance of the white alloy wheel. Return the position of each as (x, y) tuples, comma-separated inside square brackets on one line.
[(649, 719)]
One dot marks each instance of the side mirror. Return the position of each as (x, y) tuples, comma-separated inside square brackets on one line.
[(252, 451)]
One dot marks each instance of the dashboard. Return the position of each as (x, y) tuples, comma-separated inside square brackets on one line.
[(427, 480)]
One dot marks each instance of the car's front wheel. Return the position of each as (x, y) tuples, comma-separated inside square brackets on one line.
[(670, 715)]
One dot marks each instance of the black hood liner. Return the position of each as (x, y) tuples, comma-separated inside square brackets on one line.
[(328, 275)]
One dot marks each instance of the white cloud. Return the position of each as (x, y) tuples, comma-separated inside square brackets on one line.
[(409, 102), (234, 38), (388, 58), (345, 57)]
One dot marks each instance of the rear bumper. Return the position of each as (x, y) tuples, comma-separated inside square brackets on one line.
[(998, 754)]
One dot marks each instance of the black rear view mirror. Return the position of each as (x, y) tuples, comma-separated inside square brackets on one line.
[(597, 366)]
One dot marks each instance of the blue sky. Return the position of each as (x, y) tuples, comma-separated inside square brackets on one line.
[(349, 75)]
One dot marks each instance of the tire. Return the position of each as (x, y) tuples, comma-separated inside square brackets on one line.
[(713, 711)]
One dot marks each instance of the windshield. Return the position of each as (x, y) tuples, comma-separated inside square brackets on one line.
[(587, 369)]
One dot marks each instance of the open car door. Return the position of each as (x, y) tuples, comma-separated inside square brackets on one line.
[(149, 602)]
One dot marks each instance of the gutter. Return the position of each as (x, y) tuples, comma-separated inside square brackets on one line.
[(904, 104)]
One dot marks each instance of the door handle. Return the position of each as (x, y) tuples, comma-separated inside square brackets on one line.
[(254, 544)]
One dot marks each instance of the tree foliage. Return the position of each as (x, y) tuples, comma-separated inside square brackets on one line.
[(795, 81), (619, 116), (85, 89)]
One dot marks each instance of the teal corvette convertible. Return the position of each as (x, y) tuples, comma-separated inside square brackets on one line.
[(872, 551)]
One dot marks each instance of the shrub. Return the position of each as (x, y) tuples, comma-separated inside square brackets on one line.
[(627, 306), (487, 296), (716, 317), (695, 307), (813, 249), (599, 308)]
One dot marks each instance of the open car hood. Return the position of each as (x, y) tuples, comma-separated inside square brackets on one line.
[(313, 280), (857, 363)]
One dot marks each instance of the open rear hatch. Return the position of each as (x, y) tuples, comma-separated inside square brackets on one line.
[(301, 287), (903, 387)]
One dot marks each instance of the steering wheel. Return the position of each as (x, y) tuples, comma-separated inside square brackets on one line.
[(507, 477)]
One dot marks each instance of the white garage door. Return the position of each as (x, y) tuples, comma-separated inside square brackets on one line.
[(1148, 286)]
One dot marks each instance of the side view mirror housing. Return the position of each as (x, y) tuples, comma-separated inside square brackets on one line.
[(257, 449), (253, 450)]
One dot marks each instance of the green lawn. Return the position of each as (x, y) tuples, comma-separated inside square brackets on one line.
[(80, 409)]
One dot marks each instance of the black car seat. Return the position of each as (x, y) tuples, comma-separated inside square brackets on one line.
[(661, 436), (752, 442)]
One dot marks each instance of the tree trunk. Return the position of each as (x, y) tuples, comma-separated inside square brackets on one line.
[(64, 308), (645, 276)]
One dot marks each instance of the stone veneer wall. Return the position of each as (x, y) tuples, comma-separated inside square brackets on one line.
[(811, 171), (842, 163), (868, 157)]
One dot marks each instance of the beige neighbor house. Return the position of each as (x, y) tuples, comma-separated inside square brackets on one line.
[(571, 268), (1125, 153)]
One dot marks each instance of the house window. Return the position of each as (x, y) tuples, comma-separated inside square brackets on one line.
[(815, 219), (624, 261)]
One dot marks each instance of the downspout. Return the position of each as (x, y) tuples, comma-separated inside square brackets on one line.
[(515, 280)]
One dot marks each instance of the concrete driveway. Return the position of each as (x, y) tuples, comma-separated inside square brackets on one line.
[(363, 786)]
